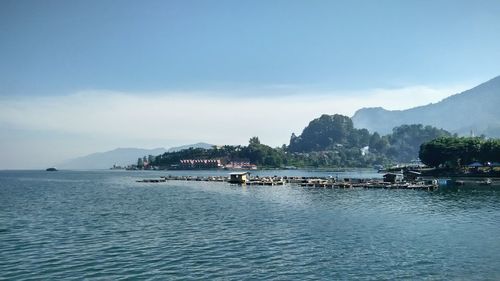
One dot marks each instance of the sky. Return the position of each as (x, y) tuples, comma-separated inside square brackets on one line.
[(78, 77)]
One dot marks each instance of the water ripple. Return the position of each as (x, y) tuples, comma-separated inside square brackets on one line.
[(103, 225)]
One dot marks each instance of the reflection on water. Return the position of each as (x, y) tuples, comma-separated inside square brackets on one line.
[(105, 225)]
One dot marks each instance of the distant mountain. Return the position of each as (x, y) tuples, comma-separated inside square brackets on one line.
[(196, 145), (120, 157), (105, 160), (477, 110)]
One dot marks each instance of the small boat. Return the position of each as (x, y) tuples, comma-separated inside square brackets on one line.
[(51, 169), (485, 182)]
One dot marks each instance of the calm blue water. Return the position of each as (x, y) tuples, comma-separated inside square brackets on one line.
[(104, 225)]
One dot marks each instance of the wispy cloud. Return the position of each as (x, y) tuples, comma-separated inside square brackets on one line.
[(200, 116), (108, 119)]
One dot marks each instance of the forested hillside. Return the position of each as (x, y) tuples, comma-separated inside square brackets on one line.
[(328, 141)]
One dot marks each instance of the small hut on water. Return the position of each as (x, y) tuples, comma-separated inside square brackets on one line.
[(238, 177), (393, 178)]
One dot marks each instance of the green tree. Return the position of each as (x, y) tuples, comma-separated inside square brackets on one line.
[(455, 152), (490, 151), (432, 153), (378, 144), (151, 158), (254, 141)]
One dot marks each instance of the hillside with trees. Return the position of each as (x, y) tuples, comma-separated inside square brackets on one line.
[(334, 139), (256, 153), (405, 140), (330, 141), (329, 132)]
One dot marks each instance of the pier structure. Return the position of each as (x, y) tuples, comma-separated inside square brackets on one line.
[(306, 182)]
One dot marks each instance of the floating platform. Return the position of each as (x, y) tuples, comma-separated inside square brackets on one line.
[(153, 180), (307, 182)]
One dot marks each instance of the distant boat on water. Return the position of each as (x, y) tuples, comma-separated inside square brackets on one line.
[(52, 169), (485, 182)]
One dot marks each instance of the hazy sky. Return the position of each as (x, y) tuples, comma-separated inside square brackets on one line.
[(83, 76)]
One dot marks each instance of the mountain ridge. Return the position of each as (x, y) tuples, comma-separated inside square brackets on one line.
[(195, 145), (474, 110), (121, 156)]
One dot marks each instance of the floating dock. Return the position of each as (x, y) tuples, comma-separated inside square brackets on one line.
[(308, 182)]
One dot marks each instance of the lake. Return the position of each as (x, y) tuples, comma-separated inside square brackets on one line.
[(103, 225)]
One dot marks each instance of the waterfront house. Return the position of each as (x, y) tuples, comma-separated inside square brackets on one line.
[(393, 178), (240, 166), (239, 177), (411, 175)]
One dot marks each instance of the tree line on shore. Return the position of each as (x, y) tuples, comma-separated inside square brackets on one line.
[(456, 152), (328, 141)]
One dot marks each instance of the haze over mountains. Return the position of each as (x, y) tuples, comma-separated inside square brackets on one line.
[(196, 145), (120, 157), (476, 110)]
